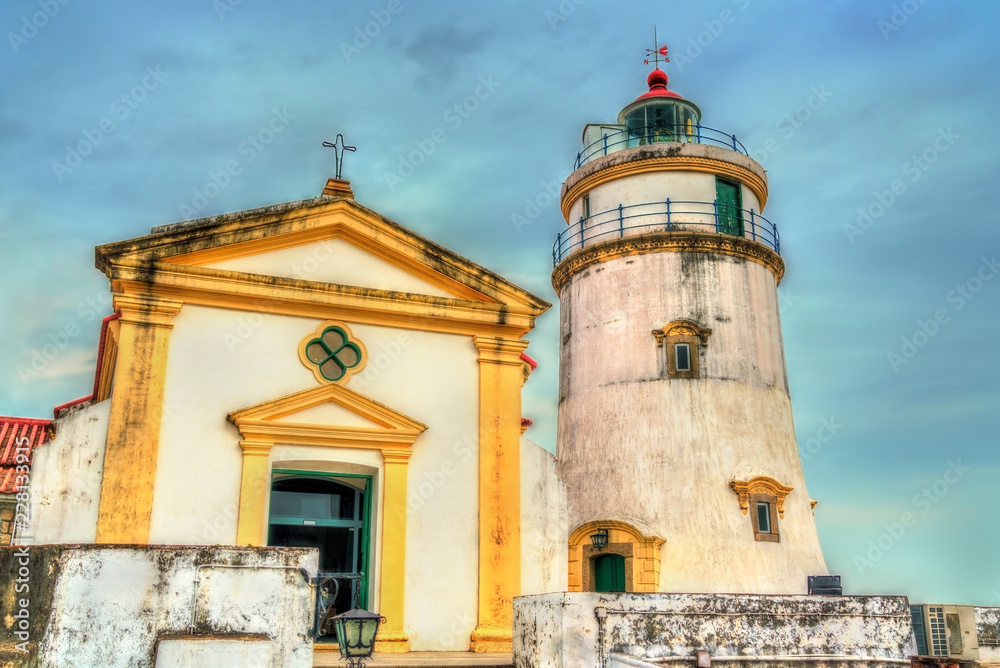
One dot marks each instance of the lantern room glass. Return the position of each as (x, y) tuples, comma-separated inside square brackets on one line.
[(655, 121)]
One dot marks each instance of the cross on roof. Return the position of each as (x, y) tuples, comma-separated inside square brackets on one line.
[(339, 147)]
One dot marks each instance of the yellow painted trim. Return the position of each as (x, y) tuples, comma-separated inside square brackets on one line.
[(500, 380), (261, 427), (392, 636), (254, 485), (660, 242), (261, 419), (760, 484), (106, 365), (309, 299), (242, 235), (645, 550), (679, 163), (315, 334), (127, 483), (335, 232)]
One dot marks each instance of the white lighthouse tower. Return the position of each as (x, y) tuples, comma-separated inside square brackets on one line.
[(675, 438)]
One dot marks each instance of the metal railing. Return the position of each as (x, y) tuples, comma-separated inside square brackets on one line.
[(656, 134), (666, 216), (327, 591)]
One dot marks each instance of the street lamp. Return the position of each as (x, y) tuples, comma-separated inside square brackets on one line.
[(599, 539), (356, 630)]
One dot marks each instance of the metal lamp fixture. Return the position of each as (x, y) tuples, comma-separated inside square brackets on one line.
[(356, 631), (599, 539)]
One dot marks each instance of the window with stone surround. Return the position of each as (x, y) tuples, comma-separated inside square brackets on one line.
[(763, 498), (681, 343)]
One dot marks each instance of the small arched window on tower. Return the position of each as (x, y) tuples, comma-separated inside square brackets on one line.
[(680, 343), (763, 498)]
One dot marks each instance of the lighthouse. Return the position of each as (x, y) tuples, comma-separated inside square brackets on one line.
[(675, 437)]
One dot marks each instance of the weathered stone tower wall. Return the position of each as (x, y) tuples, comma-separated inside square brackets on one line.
[(675, 463)]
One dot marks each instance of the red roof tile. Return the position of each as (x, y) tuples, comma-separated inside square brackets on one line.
[(18, 433)]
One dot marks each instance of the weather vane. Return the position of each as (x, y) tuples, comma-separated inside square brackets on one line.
[(656, 52), (339, 147)]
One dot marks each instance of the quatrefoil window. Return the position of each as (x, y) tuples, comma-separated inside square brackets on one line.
[(332, 353)]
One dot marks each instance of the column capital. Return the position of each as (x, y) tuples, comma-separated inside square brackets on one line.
[(396, 455), (256, 448), (498, 350), (146, 309)]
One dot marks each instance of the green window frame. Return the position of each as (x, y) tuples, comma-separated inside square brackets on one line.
[(333, 353)]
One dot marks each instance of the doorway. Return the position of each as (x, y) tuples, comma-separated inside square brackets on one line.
[(729, 207), (609, 573), (331, 512)]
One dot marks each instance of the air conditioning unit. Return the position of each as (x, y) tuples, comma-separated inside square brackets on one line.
[(825, 585), (945, 630)]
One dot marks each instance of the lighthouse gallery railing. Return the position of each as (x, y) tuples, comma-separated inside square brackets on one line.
[(656, 134), (666, 216)]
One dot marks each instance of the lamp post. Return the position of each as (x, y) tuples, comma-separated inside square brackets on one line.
[(599, 539), (356, 631)]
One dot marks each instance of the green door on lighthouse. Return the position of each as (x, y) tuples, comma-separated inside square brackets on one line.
[(609, 573), (729, 207)]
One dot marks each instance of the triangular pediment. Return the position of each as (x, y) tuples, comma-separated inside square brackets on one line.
[(330, 415), (340, 262), (284, 244)]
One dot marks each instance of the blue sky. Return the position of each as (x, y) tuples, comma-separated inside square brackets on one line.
[(902, 97)]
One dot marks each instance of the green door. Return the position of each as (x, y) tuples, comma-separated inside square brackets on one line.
[(331, 512), (729, 207), (609, 573)]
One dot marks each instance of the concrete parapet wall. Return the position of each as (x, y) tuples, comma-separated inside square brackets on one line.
[(108, 606), (564, 629), (988, 635)]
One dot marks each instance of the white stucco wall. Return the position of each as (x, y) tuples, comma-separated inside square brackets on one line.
[(632, 441), (332, 261), (110, 605), (66, 479), (987, 626), (654, 189), (543, 522), (222, 360), (563, 630)]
